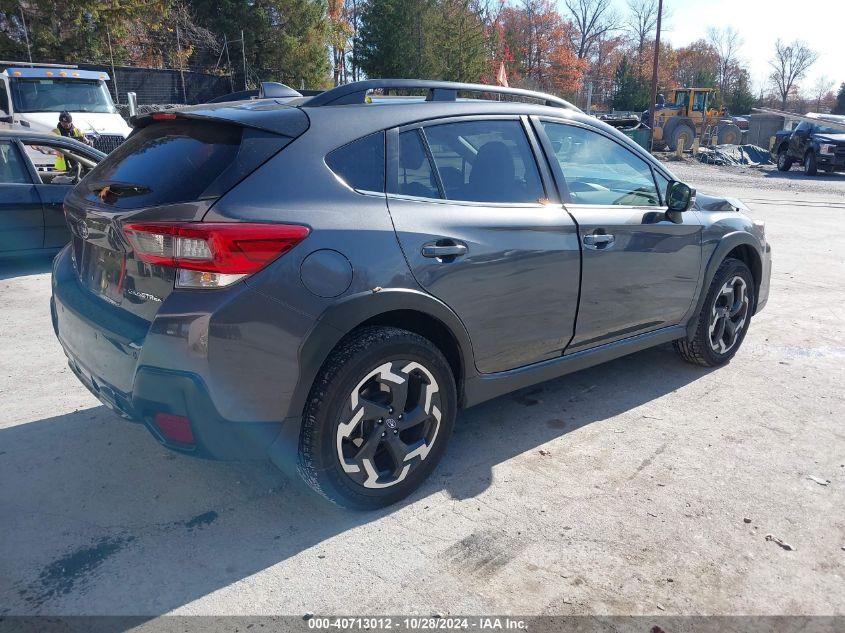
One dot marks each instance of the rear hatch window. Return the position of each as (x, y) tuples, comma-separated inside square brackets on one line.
[(165, 163), (170, 170)]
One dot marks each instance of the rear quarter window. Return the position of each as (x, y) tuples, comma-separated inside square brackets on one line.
[(360, 164), (165, 163)]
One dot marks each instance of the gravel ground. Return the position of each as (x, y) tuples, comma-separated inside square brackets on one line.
[(766, 178), (643, 486)]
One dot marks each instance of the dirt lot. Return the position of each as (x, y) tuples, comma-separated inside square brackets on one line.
[(644, 486)]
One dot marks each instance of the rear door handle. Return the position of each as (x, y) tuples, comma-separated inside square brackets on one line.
[(598, 240), (444, 248)]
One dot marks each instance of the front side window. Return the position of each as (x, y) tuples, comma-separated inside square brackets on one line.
[(485, 161), (598, 170), (360, 164), (56, 164), (699, 102)]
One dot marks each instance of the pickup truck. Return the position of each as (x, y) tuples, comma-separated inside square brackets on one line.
[(813, 145)]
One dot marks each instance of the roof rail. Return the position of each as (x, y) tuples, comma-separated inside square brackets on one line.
[(356, 92)]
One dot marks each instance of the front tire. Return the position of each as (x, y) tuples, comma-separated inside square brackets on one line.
[(724, 317), (378, 418), (810, 167), (784, 161)]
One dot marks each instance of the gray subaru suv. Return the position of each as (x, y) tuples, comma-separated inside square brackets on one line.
[(324, 281)]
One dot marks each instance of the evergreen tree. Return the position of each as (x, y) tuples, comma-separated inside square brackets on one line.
[(396, 41), (740, 98), (839, 108), (630, 92)]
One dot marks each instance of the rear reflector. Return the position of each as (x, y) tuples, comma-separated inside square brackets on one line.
[(175, 428), (212, 254), (163, 116)]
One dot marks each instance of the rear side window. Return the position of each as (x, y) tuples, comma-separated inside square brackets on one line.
[(485, 161), (12, 168), (360, 164), (416, 177), (165, 163)]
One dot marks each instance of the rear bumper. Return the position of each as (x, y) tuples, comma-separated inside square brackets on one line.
[(209, 364)]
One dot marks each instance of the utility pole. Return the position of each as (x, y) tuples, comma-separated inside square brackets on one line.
[(589, 96), (26, 35), (243, 54), (654, 74), (113, 74)]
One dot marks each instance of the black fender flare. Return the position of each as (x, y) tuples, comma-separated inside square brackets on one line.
[(726, 244), (335, 323), (344, 316)]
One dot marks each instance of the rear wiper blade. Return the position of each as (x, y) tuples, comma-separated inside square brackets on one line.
[(117, 189)]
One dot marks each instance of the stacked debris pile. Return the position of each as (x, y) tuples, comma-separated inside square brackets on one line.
[(749, 155)]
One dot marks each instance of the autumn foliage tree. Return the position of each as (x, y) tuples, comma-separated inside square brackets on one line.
[(535, 41)]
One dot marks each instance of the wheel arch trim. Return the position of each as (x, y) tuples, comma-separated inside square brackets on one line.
[(726, 244), (346, 315)]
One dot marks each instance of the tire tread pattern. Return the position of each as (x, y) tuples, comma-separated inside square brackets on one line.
[(309, 465), (697, 350)]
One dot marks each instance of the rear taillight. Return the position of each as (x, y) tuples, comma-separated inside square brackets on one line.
[(212, 254)]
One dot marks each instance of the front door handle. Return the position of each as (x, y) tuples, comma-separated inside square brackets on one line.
[(598, 240), (442, 249)]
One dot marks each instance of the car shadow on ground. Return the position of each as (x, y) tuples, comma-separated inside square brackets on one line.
[(99, 519), (797, 174), (25, 266)]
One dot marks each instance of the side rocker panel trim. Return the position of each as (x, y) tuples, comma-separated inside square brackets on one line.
[(488, 386)]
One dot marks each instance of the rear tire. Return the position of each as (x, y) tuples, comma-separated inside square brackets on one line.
[(784, 161), (724, 317), (810, 167), (682, 136), (378, 418)]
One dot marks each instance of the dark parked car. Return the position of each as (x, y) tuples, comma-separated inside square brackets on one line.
[(36, 173), (327, 281), (813, 145)]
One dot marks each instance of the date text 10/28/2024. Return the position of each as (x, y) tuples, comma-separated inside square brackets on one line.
[(481, 623)]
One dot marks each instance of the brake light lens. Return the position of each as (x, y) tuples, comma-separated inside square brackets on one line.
[(212, 254)]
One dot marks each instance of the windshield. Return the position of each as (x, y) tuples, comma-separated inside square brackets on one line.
[(55, 95), (822, 129)]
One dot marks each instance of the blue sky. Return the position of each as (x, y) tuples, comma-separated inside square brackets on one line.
[(760, 23)]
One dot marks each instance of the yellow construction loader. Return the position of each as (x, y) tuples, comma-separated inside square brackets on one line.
[(687, 117)]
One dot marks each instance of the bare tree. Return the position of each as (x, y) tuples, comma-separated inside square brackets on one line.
[(726, 42), (821, 89), (789, 65), (592, 18), (642, 20)]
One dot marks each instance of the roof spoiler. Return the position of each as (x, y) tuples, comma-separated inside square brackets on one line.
[(356, 92)]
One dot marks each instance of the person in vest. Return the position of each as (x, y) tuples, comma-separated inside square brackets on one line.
[(67, 128)]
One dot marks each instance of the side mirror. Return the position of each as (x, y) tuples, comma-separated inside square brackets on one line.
[(679, 196), (5, 117)]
